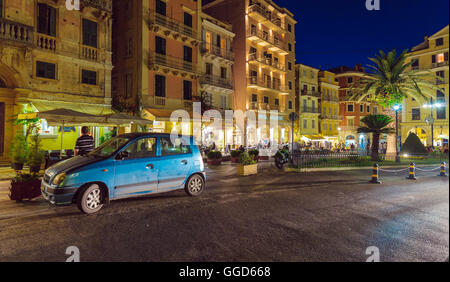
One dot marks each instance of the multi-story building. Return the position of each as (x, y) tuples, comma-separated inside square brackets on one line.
[(50, 58), (307, 103), (264, 62), (352, 111), (216, 82), (329, 105), (429, 56), (156, 51)]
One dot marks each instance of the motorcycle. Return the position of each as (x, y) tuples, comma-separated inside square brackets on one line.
[(281, 157)]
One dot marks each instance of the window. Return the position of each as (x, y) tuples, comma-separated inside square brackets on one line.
[(89, 33), (361, 108), (440, 41), (350, 108), (439, 58), (160, 86), (290, 105), (187, 54), (266, 100), (349, 79), (161, 7), (142, 148), (305, 123), (1, 9), (160, 45), (223, 73), (254, 98), (187, 90), (45, 70), (290, 85), (313, 123), (289, 65), (289, 27), (368, 109), (89, 77), (415, 114), (415, 64), (312, 74), (350, 122), (277, 101), (290, 46), (178, 147), (187, 19), (46, 19), (325, 127), (128, 85), (223, 102), (209, 68)]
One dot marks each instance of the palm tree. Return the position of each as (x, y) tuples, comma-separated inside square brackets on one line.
[(376, 124), (390, 81)]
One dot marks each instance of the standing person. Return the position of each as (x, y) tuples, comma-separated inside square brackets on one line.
[(85, 143)]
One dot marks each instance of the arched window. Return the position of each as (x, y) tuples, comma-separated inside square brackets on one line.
[(2, 83)]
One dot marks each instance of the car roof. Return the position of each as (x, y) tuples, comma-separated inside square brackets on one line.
[(135, 135)]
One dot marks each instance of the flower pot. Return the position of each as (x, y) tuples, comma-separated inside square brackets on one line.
[(25, 190), (245, 170), (214, 161), (35, 169), (17, 166)]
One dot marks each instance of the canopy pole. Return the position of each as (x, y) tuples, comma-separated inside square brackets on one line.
[(62, 138)]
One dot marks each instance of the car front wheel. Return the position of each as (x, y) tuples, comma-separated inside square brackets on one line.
[(90, 199), (194, 185)]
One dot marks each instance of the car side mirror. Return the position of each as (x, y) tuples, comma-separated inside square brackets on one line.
[(122, 155)]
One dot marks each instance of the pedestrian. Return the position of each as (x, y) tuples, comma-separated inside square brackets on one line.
[(85, 143)]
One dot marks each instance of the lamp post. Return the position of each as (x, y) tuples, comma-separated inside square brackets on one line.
[(397, 156), (292, 117), (431, 119)]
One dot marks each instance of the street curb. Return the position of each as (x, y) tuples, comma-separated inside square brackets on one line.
[(291, 169)]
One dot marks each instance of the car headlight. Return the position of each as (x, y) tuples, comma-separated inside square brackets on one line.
[(59, 179)]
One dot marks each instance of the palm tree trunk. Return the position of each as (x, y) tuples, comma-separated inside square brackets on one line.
[(375, 145)]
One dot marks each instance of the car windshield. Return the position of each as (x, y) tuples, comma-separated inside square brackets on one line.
[(109, 147)]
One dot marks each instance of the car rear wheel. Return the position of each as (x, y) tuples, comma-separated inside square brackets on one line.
[(90, 199), (194, 185)]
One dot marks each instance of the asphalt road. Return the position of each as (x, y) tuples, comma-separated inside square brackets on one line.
[(320, 216)]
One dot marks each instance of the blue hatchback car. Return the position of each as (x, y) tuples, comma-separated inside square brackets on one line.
[(126, 166)]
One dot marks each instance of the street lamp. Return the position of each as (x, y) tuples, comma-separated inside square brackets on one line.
[(430, 120), (397, 156)]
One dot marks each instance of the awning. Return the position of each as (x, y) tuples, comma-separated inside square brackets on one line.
[(91, 109), (65, 117), (160, 115), (124, 119), (314, 138)]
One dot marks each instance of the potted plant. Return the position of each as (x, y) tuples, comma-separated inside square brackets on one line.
[(19, 152), (36, 155), (248, 165), (253, 153), (25, 186), (214, 158), (235, 156)]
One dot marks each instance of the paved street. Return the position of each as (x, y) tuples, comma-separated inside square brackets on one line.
[(318, 216)]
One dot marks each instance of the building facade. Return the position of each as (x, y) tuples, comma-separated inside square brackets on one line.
[(308, 100), (429, 56), (352, 111), (156, 59), (264, 74), (330, 117), (50, 58)]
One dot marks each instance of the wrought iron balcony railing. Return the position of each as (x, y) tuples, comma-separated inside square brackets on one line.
[(309, 110), (209, 48), (265, 14), (330, 98), (267, 84), (216, 81), (310, 93), (266, 61), (173, 25), (266, 37), (172, 62)]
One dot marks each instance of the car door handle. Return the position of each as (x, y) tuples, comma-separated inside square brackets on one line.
[(150, 166), (184, 162)]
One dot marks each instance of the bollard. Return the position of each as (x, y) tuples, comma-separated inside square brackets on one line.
[(412, 172), (442, 172), (374, 179)]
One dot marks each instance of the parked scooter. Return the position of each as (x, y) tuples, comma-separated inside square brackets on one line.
[(281, 157)]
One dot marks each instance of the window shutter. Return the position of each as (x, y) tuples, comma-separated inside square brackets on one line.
[(52, 21), (433, 59), (42, 18)]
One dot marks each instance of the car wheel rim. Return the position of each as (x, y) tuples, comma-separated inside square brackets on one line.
[(195, 185), (93, 198)]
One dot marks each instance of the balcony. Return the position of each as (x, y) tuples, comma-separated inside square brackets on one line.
[(441, 81), (439, 65), (103, 5), (46, 42), (158, 102), (260, 84), (214, 52), (331, 117), (90, 53), (176, 29), (329, 98), (214, 82), (262, 15), (309, 110), (271, 42), (255, 106), (310, 93), (16, 32), (269, 63), (176, 66)]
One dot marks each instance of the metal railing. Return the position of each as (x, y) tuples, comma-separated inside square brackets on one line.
[(265, 36), (310, 93), (333, 117), (266, 61), (440, 64), (309, 110), (266, 14), (330, 98), (172, 25), (216, 81), (215, 50), (270, 84), (172, 62), (13, 31)]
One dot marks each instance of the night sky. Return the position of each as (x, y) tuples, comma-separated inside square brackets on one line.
[(331, 33)]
